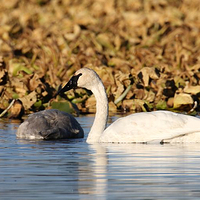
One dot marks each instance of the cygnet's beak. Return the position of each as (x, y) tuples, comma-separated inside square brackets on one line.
[(72, 83)]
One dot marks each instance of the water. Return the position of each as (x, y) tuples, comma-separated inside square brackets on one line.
[(76, 170)]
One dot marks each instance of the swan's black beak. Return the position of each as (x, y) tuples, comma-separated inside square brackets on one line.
[(72, 83)]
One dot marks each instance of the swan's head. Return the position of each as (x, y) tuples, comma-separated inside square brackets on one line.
[(84, 78)]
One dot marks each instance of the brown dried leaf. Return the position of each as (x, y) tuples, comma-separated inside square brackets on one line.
[(182, 99), (119, 78), (192, 89), (146, 73), (75, 34), (170, 102), (138, 105), (90, 104), (149, 96), (112, 107), (134, 19), (139, 93), (104, 40), (127, 105), (3, 76), (17, 110), (34, 82), (19, 86), (120, 64), (29, 100)]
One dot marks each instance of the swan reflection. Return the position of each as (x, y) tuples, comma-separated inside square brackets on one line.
[(121, 169)]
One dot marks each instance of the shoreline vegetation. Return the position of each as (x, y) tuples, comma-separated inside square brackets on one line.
[(147, 54)]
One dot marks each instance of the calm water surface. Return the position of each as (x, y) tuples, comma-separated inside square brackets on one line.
[(76, 170)]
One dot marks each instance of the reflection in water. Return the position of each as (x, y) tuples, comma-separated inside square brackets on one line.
[(145, 171), (99, 166), (75, 170)]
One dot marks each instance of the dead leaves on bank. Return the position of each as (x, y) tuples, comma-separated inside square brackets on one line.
[(146, 52)]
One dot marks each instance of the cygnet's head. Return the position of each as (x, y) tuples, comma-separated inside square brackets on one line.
[(84, 78)]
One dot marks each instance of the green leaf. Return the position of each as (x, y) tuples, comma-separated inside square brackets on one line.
[(38, 103), (63, 106), (16, 67), (161, 105)]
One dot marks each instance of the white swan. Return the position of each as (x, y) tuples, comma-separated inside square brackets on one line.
[(50, 125), (157, 126)]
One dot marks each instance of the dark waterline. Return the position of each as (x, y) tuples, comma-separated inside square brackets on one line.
[(75, 170)]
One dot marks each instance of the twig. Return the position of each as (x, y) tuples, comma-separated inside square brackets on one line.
[(4, 112), (193, 108), (120, 98)]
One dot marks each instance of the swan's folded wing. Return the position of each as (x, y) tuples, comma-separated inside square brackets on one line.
[(50, 124), (148, 127)]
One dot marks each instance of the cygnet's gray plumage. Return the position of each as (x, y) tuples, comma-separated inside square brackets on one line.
[(50, 125)]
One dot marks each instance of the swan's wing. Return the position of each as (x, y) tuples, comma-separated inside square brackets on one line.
[(65, 123), (50, 124), (151, 126)]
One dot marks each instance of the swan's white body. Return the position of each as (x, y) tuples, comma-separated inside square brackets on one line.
[(157, 126), (150, 127)]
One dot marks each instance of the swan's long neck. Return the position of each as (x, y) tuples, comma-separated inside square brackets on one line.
[(101, 113)]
